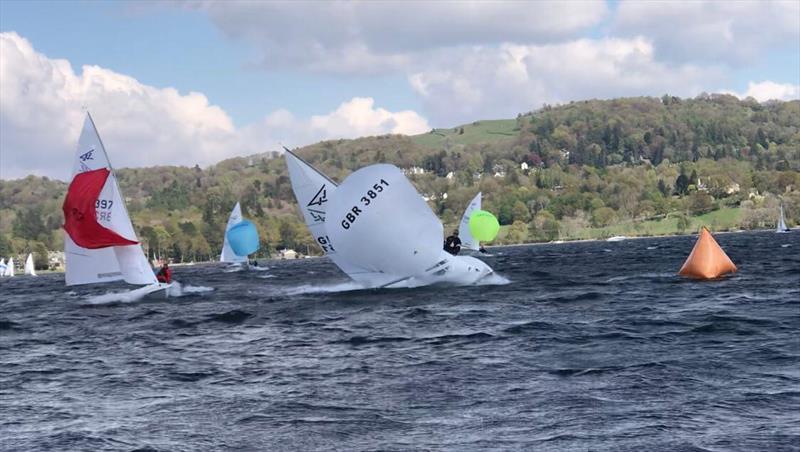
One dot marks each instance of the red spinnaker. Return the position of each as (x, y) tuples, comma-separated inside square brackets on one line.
[(80, 214)]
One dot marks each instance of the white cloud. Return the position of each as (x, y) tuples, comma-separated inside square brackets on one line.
[(769, 90), (41, 113), (374, 37), (736, 32), (499, 83)]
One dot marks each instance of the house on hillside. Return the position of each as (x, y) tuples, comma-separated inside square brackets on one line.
[(414, 170), (287, 253)]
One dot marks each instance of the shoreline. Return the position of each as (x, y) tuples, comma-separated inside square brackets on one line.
[(636, 237)]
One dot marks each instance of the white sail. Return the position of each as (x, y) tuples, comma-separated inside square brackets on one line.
[(227, 254), (10, 267), (782, 223), (313, 191), (3, 267), (377, 219), (29, 269), (464, 234), (128, 263)]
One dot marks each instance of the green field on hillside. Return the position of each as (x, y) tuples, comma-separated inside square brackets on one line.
[(477, 132), (725, 219)]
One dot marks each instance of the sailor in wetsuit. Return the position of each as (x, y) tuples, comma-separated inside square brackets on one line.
[(165, 274), (453, 244)]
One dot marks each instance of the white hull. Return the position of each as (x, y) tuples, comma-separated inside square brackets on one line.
[(451, 270), (159, 291)]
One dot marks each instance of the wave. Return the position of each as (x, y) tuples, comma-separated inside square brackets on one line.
[(129, 296), (177, 290), (234, 316), (328, 288), (8, 325)]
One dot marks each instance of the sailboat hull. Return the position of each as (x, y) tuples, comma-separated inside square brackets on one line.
[(158, 291)]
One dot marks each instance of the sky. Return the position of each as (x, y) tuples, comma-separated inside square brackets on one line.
[(195, 82)]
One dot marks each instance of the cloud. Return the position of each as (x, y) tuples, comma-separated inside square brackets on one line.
[(354, 118), (377, 37), (736, 32), (769, 90), (41, 113), (499, 83)]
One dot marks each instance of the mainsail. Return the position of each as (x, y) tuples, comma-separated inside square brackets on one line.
[(10, 267), (464, 233), (227, 254), (313, 191), (378, 236), (100, 244), (368, 201), (782, 223), (29, 269)]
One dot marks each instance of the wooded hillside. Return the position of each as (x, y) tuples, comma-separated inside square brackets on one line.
[(588, 169)]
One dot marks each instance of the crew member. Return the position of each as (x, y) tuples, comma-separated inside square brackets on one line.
[(165, 274), (453, 244)]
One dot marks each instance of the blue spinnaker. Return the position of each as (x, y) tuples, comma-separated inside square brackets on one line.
[(243, 238)]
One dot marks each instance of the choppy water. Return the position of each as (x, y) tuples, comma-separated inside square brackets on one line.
[(592, 346)]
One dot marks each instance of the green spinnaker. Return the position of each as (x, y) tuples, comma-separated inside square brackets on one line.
[(483, 226)]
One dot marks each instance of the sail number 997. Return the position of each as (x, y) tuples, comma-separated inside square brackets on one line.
[(366, 200)]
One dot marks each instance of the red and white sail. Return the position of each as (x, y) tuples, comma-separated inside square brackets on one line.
[(99, 241)]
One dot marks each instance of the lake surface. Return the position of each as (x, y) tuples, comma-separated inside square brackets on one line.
[(590, 346)]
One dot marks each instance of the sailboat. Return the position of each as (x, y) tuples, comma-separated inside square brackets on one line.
[(3, 267), (29, 269), (782, 223), (100, 244), (467, 241), (10, 267), (227, 254), (377, 228)]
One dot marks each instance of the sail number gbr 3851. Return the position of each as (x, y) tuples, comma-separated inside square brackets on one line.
[(368, 198)]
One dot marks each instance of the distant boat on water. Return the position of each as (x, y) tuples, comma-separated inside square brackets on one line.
[(7, 268), (467, 242), (240, 240), (29, 268), (616, 238), (782, 223)]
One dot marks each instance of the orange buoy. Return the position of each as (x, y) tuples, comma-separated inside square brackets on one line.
[(707, 260)]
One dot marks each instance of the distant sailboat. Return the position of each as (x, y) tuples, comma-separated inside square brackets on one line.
[(29, 269), (782, 223), (3, 267), (227, 254), (467, 241), (10, 267), (100, 244)]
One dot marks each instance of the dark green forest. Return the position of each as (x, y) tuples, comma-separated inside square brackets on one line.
[(590, 169)]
